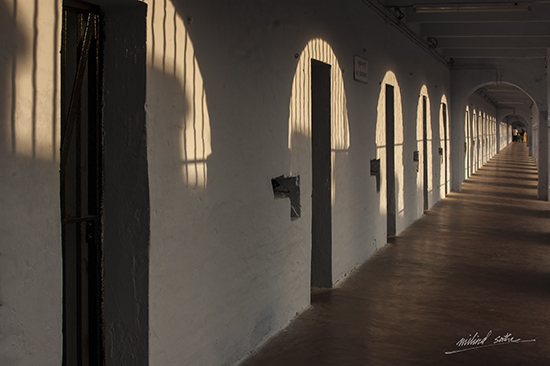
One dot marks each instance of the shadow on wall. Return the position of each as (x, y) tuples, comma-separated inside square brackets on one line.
[(185, 285), (14, 45), (30, 261), (212, 240), (8, 58), (30, 115), (299, 139), (198, 276), (177, 83), (218, 256)]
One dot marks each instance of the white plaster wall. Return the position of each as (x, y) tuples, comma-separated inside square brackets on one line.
[(503, 135), (30, 245), (228, 268), (535, 132), (494, 137), (224, 255), (542, 151)]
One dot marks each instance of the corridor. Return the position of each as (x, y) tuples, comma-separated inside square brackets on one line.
[(476, 266)]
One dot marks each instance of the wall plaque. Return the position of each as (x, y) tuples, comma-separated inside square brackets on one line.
[(360, 69)]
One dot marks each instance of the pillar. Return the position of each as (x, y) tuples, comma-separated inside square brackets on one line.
[(543, 156)]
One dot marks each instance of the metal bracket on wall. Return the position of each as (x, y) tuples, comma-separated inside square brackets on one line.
[(375, 171), (288, 187)]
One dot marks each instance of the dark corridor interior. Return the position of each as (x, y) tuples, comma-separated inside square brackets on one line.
[(390, 161), (81, 185), (425, 151), (475, 266), (321, 199)]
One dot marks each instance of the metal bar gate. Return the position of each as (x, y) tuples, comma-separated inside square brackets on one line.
[(81, 183)]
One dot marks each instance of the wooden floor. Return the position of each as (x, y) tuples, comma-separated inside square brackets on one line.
[(477, 265)]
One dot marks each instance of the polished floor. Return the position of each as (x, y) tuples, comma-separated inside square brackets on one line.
[(476, 266)]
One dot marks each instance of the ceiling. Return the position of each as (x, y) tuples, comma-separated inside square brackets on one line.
[(480, 34)]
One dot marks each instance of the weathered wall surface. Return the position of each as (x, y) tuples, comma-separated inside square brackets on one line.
[(30, 232), (227, 110)]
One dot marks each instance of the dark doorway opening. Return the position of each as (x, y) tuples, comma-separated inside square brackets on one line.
[(321, 226), (470, 134), (390, 160), (445, 162), (82, 183), (425, 149), (478, 140)]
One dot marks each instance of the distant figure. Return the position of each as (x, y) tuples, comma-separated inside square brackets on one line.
[(521, 136)]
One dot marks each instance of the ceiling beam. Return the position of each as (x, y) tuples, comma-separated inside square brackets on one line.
[(492, 42), (495, 53), (438, 2), (517, 29), (540, 14), (511, 90)]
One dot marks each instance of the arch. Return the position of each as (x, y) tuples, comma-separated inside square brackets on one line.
[(475, 141), (504, 123), (419, 147), (300, 105), (488, 127), (444, 141), (301, 154), (381, 152), (523, 112), (479, 161), (463, 87), (467, 143), (519, 122), (483, 145), (299, 122), (473, 89)]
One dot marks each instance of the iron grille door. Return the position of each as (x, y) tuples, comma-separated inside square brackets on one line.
[(81, 184)]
